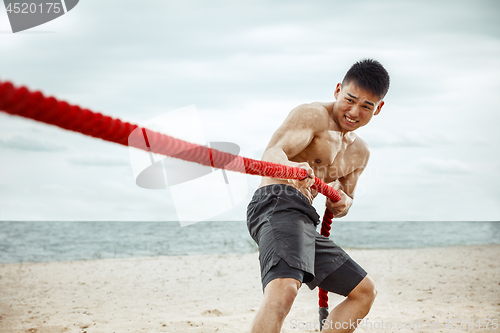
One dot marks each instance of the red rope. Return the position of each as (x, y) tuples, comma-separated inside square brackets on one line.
[(34, 105), (325, 231)]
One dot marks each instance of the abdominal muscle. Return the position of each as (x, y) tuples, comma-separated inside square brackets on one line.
[(309, 193)]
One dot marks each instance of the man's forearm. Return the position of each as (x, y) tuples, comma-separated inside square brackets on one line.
[(341, 208), (276, 155)]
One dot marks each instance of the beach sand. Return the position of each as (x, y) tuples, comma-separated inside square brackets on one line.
[(415, 287)]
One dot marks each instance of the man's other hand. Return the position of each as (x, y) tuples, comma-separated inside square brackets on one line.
[(339, 208)]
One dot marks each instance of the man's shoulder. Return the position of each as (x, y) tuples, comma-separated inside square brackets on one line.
[(314, 112), (359, 145), (314, 107)]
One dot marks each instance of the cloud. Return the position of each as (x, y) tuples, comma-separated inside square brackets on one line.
[(408, 139), (440, 166), (245, 66), (18, 142), (97, 160)]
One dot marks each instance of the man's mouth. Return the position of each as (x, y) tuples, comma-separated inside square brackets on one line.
[(350, 120)]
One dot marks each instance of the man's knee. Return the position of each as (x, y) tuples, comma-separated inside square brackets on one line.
[(280, 294), (365, 291)]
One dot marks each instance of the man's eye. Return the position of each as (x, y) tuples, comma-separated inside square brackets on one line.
[(349, 100)]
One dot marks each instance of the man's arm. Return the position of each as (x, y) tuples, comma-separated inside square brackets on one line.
[(346, 185), (294, 135)]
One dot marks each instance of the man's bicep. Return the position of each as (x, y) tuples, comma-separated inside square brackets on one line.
[(361, 155), (350, 180)]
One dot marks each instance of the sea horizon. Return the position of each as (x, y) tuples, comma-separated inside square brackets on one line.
[(50, 241)]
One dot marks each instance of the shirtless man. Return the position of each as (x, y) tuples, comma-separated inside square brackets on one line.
[(319, 138)]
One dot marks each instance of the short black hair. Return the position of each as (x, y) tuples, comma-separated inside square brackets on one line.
[(370, 75)]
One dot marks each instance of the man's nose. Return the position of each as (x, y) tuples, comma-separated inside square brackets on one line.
[(354, 111)]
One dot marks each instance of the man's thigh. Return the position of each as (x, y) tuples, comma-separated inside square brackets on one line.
[(334, 269), (344, 279)]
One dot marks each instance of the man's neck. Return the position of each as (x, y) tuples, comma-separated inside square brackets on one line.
[(334, 125)]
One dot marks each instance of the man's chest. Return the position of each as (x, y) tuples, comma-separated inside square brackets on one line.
[(330, 156)]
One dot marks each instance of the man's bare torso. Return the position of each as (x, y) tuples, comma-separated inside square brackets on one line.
[(330, 154)]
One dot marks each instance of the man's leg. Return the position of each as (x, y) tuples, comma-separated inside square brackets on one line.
[(279, 295), (355, 306)]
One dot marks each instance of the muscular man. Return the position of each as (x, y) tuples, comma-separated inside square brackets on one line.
[(319, 138)]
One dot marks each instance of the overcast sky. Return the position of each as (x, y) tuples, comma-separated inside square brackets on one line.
[(245, 65)]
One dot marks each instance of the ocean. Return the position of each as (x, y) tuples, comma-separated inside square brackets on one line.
[(63, 241)]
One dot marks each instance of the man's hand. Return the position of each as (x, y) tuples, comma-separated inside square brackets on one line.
[(340, 208), (309, 181)]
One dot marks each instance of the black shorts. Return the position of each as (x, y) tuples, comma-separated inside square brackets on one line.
[(342, 281), (283, 223)]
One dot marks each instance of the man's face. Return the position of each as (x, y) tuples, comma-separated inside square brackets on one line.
[(355, 106)]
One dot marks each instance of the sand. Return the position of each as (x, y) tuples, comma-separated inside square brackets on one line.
[(416, 287)]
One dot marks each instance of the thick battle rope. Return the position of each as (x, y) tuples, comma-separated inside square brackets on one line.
[(326, 225), (34, 105)]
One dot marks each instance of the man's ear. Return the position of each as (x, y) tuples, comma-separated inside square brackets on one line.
[(379, 107), (337, 90)]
